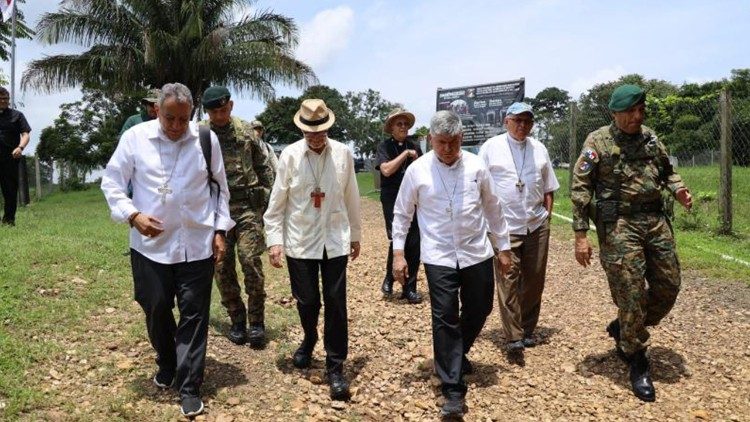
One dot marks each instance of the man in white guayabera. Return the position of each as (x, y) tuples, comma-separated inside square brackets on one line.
[(178, 226)]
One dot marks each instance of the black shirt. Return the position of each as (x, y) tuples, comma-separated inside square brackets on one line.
[(387, 151), (12, 125)]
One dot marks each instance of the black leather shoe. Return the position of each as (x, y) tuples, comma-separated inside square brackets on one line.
[(613, 329), (640, 379), (257, 335), (339, 386), (466, 367), (412, 297), (387, 288), (238, 332), (453, 409), (302, 358), (515, 346), (529, 341)]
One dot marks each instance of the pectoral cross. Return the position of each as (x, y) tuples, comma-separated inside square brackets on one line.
[(317, 195), (520, 185), (164, 190)]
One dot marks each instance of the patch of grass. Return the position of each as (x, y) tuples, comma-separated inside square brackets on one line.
[(367, 185), (698, 245)]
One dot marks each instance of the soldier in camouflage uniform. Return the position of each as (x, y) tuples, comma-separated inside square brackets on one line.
[(250, 175), (626, 167)]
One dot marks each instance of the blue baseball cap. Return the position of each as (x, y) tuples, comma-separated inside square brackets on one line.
[(519, 108)]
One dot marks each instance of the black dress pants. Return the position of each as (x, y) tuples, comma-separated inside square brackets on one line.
[(411, 246), (180, 347), (454, 330), (303, 274), (9, 186)]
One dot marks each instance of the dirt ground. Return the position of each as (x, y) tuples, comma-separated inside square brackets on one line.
[(700, 358)]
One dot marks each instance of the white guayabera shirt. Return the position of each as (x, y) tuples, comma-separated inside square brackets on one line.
[(456, 207), (508, 160), (293, 219), (190, 215)]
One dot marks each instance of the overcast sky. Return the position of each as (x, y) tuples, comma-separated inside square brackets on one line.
[(407, 49)]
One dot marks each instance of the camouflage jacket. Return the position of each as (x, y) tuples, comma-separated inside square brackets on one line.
[(249, 168), (629, 169)]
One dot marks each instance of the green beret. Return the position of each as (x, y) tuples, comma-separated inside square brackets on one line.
[(215, 97), (626, 96)]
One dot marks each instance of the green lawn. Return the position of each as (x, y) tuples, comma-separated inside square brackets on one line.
[(699, 246)]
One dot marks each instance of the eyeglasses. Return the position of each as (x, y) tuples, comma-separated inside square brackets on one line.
[(4, 99), (401, 124), (518, 121)]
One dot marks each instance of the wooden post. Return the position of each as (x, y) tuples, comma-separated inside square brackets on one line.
[(38, 174), (573, 149), (725, 163)]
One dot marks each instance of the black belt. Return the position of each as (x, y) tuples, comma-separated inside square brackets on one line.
[(625, 208)]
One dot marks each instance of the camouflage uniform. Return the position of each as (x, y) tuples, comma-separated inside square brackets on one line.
[(637, 247), (250, 174)]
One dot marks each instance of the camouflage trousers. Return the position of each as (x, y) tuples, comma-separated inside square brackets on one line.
[(638, 255), (247, 238)]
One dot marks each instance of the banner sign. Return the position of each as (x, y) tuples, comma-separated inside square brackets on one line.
[(481, 107)]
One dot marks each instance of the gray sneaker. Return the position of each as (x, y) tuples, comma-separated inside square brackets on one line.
[(191, 406)]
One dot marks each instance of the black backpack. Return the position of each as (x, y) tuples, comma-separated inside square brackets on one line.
[(204, 134)]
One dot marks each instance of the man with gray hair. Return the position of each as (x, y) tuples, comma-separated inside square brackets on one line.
[(178, 226), (450, 183)]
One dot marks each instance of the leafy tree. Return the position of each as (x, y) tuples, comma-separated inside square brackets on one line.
[(6, 31), (552, 119), (137, 43), (368, 111), (277, 120)]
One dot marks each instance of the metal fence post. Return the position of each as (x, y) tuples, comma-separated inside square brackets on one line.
[(573, 144), (38, 174), (725, 163)]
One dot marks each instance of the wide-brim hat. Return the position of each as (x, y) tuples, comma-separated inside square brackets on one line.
[(314, 116), (397, 112)]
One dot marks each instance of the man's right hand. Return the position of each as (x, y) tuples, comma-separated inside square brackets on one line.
[(147, 225), (400, 267), (275, 253), (583, 249)]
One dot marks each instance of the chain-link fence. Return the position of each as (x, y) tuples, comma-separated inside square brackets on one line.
[(695, 131)]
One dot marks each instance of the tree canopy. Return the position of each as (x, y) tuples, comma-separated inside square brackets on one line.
[(137, 43)]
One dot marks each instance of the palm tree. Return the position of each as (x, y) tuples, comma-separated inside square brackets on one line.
[(137, 43)]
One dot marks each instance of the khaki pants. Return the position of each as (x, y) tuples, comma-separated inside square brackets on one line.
[(519, 293)]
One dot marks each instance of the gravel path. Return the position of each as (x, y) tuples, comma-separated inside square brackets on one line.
[(700, 358)]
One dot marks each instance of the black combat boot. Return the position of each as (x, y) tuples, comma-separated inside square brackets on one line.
[(257, 335), (640, 379), (613, 329), (238, 332)]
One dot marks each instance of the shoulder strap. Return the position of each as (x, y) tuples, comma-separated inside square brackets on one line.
[(204, 134)]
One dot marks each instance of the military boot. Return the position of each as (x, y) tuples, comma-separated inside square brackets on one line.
[(238, 332), (257, 335), (640, 379), (613, 329)]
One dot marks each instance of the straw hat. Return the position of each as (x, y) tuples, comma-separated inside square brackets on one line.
[(397, 112), (314, 116)]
